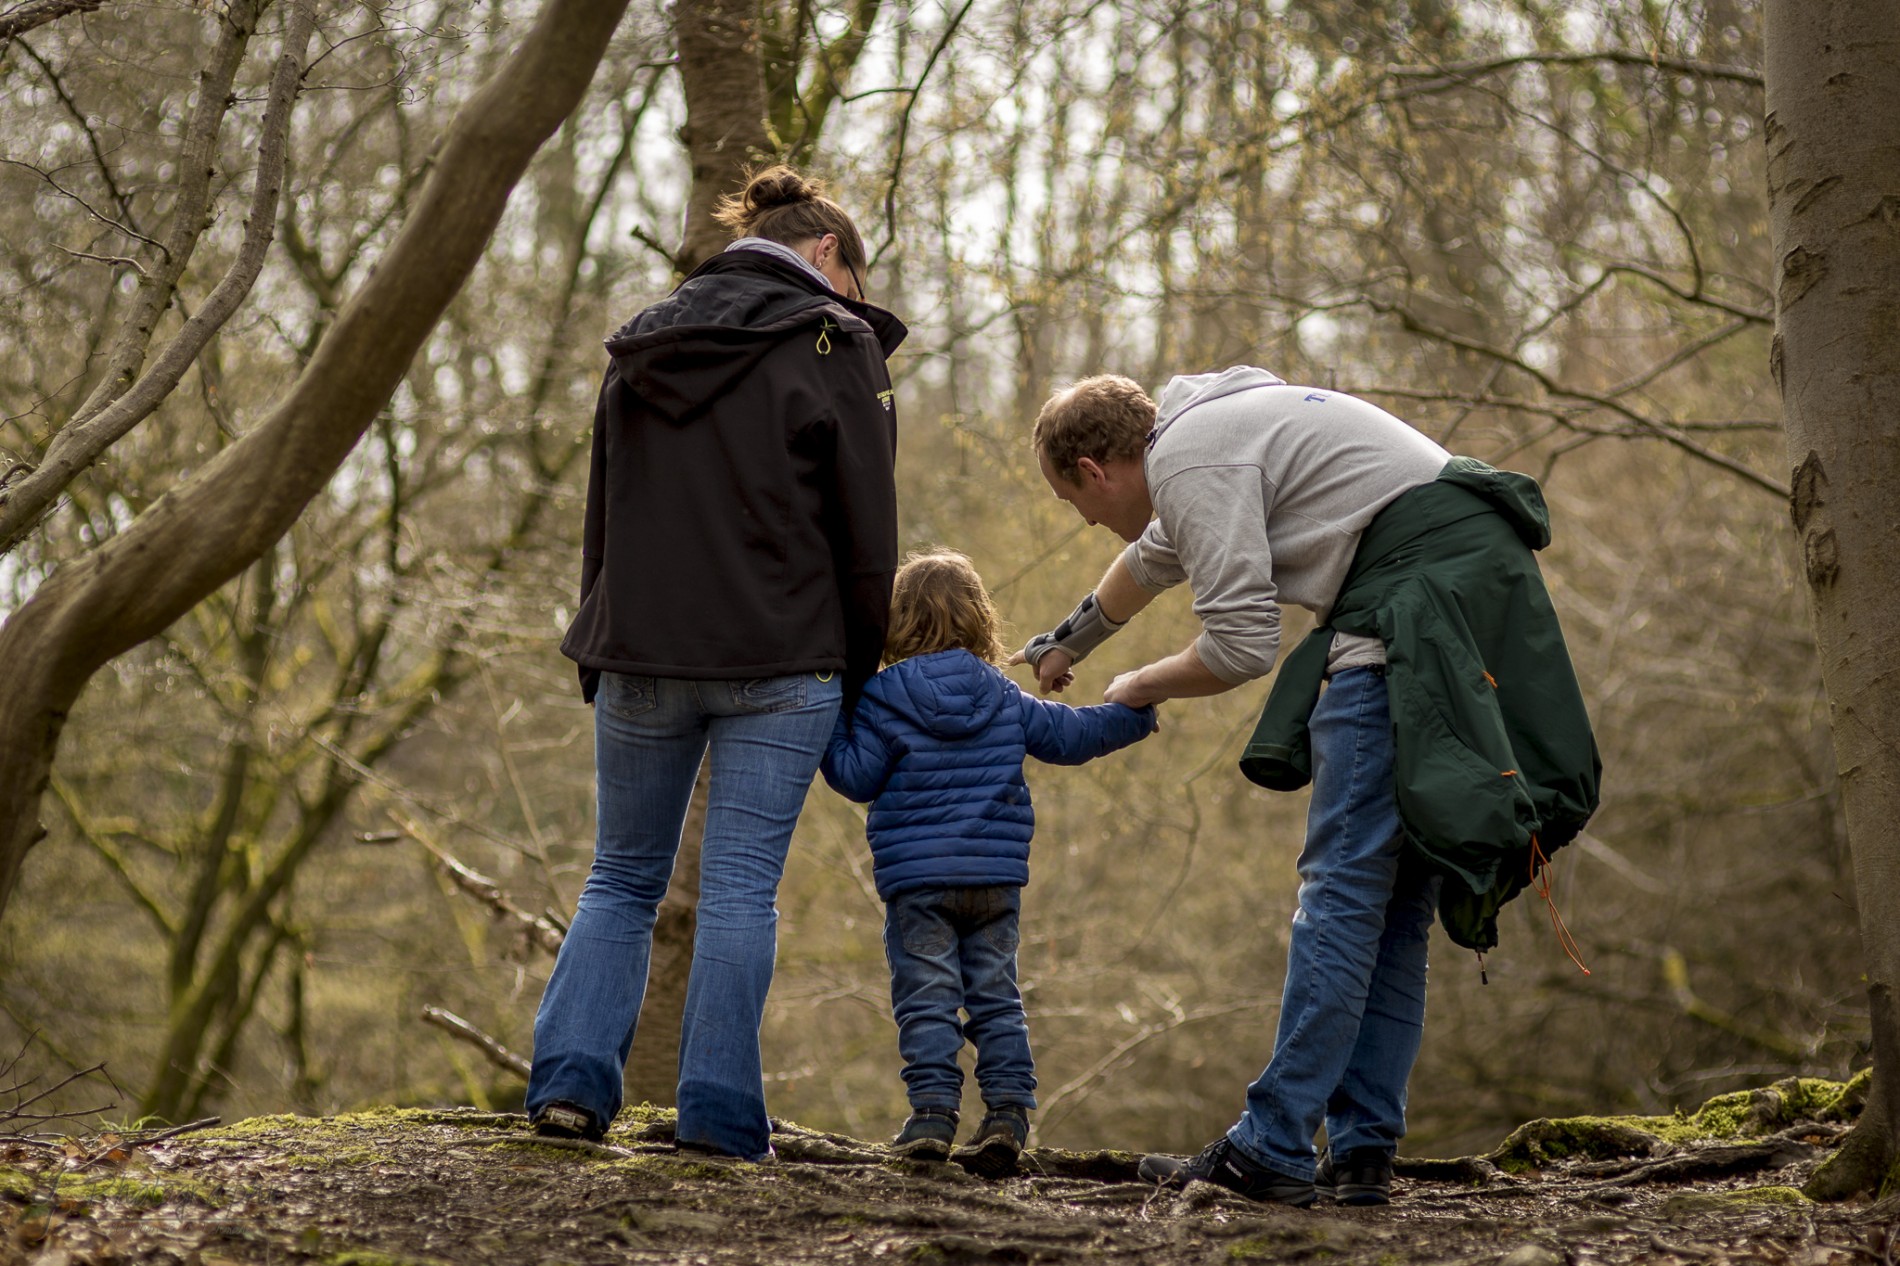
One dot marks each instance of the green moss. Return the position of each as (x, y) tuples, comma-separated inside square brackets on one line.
[(1746, 1197), (1745, 1113), (16, 1182), (345, 1156), (1540, 1142), (370, 1257), (1277, 1244), (1769, 1196), (144, 1192)]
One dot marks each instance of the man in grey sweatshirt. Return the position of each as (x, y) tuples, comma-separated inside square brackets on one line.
[(1255, 493)]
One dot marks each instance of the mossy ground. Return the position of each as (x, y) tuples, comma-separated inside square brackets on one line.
[(1742, 1114), (414, 1187)]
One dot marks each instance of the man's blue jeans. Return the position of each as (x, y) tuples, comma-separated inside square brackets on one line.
[(952, 948), (1354, 1007), (765, 736)]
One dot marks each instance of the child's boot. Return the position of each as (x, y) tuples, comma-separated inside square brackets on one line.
[(997, 1149), (927, 1136)]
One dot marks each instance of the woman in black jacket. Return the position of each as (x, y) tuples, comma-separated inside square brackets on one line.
[(740, 540)]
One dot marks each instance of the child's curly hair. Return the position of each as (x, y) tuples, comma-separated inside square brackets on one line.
[(939, 604)]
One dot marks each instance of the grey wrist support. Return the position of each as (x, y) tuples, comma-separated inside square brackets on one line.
[(1085, 629)]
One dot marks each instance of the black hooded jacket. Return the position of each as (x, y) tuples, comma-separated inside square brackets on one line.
[(742, 508)]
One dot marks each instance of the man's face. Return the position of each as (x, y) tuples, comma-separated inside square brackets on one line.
[(1112, 494)]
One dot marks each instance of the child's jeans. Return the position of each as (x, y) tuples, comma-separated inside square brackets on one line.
[(952, 948)]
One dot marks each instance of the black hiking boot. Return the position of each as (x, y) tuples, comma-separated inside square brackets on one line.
[(996, 1151), (1362, 1176), (563, 1120), (1225, 1165), (927, 1136)]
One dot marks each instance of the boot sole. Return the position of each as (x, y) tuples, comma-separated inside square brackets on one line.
[(995, 1158), (923, 1150)]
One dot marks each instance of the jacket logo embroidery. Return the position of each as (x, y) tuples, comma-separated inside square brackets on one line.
[(884, 398)]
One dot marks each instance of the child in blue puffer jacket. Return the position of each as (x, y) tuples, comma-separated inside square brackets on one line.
[(936, 745)]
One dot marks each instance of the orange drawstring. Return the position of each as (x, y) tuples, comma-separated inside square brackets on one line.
[(1540, 882)]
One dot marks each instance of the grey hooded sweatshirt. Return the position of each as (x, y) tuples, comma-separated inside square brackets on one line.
[(1260, 491)]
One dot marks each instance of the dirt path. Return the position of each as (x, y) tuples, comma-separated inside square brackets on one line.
[(402, 1187)]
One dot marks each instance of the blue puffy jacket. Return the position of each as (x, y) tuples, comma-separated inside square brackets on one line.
[(937, 745)]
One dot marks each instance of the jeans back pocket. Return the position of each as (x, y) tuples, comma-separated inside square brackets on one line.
[(627, 696), (769, 694)]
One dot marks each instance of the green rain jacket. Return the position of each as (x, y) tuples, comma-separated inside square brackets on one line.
[(1495, 763)]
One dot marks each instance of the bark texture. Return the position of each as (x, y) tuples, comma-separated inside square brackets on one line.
[(723, 76), (1833, 136), (220, 520)]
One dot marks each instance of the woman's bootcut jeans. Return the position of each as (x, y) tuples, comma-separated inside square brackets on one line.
[(765, 738)]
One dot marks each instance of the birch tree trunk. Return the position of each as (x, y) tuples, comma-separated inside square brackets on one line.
[(225, 516), (1833, 136)]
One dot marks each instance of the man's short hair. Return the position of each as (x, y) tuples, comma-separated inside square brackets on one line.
[(1103, 418)]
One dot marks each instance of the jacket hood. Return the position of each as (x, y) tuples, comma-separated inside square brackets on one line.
[(687, 350), (1184, 391), (1517, 497), (951, 694)]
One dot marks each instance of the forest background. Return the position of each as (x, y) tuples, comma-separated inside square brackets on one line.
[(1537, 231)]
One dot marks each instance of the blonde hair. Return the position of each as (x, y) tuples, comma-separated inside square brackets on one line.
[(939, 604), (1102, 418), (780, 205)]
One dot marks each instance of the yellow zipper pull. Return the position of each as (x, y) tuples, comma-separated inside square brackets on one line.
[(824, 336)]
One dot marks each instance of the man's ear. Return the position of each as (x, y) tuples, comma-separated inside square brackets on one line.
[(1089, 471)]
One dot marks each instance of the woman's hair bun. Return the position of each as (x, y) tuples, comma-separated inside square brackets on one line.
[(783, 205), (778, 186)]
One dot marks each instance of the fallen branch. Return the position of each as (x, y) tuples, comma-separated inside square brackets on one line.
[(1717, 1162)]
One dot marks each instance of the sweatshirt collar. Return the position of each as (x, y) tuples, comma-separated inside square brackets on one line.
[(781, 251)]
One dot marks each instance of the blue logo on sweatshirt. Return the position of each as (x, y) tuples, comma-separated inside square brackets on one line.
[(1320, 396)]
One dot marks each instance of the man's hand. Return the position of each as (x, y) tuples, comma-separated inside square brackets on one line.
[(1129, 689), (1052, 674)]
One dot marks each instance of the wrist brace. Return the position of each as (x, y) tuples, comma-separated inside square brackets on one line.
[(1085, 629)]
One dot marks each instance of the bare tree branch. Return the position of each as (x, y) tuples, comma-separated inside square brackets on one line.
[(1465, 72), (81, 442), (1660, 429), (538, 928), (903, 129), (498, 1055), (23, 17), (232, 509)]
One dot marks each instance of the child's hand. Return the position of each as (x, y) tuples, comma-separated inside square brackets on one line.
[(1052, 674)]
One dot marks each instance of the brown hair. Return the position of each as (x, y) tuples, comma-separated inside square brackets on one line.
[(782, 206), (1102, 418), (939, 604)]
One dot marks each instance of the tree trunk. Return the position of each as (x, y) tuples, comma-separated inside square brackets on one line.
[(653, 1066), (724, 80), (225, 516), (1833, 136), (723, 77)]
